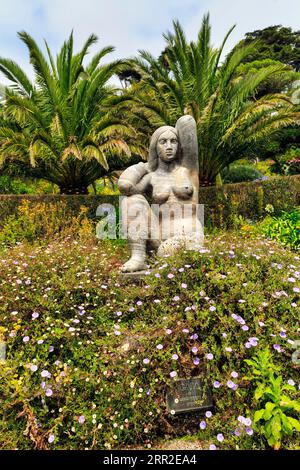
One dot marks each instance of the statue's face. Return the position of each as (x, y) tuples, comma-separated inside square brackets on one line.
[(167, 146)]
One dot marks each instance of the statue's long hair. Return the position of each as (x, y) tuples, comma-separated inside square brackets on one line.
[(153, 156)]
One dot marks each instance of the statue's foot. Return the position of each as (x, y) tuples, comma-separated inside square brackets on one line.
[(133, 265)]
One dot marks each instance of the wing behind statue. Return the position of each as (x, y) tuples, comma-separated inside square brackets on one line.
[(187, 131)]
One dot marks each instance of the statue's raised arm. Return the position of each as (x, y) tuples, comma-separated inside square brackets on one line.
[(187, 132)]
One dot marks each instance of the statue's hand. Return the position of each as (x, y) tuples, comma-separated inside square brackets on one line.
[(126, 187)]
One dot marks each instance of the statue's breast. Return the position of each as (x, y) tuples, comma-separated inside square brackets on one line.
[(161, 195), (184, 190), (174, 187)]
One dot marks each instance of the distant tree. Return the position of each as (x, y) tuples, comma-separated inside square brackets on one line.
[(276, 43)]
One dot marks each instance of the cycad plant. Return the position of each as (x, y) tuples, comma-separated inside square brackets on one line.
[(189, 78), (63, 122)]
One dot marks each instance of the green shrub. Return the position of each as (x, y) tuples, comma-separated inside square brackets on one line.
[(287, 163), (42, 222), (9, 185), (241, 173), (284, 228), (274, 405)]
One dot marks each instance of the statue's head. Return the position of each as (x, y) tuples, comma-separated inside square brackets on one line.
[(164, 145)]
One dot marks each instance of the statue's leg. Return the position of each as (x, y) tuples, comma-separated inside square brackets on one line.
[(135, 218)]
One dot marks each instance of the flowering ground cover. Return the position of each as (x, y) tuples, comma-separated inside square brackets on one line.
[(90, 357)]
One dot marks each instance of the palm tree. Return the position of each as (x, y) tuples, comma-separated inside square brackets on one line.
[(64, 123), (189, 78)]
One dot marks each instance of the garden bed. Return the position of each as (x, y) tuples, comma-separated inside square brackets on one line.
[(89, 360)]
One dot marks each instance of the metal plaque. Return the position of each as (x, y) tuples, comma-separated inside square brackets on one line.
[(189, 395)]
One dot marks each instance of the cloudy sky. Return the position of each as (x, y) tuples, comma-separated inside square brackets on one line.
[(130, 25)]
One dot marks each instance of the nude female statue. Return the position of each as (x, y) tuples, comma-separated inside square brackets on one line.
[(169, 182)]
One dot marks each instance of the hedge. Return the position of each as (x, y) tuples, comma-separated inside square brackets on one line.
[(222, 203)]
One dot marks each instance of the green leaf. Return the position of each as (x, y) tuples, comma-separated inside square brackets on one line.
[(295, 423), (268, 412), (259, 392), (276, 427), (286, 425), (258, 415)]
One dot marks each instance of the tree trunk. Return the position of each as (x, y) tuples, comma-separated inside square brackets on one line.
[(73, 190)]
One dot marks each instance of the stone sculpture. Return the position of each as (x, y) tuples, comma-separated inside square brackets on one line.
[(159, 210)]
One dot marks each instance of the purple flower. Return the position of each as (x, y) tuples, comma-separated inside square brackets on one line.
[(216, 384), (51, 438), (194, 349), (249, 431), (157, 275), (196, 361), (175, 357), (194, 336), (168, 331), (25, 339), (202, 425), (146, 360), (81, 419), (209, 356), (208, 414), (49, 392), (159, 346), (170, 276), (261, 323), (277, 347), (291, 382), (228, 349), (173, 373), (212, 447), (234, 374), (185, 330), (139, 303), (176, 298), (212, 308), (45, 374), (245, 328), (35, 315), (51, 348), (230, 384), (40, 341), (237, 432), (183, 285), (220, 437), (33, 368), (253, 341)]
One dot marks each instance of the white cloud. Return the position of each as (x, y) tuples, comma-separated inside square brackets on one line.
[(130, 25)]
